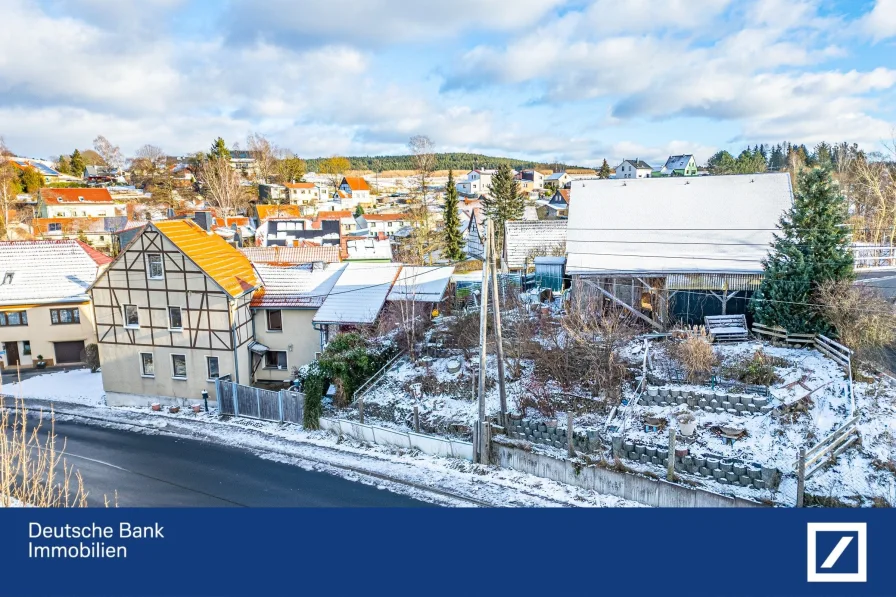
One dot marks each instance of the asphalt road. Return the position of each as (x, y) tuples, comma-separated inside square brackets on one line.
[(156, 470)]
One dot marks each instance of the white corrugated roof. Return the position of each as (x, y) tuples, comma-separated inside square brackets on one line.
[(686, 225), (359, 294), (677, 162), (527, 238), (45, 271), (421, 284)]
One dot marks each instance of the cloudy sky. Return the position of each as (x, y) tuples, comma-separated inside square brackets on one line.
[(573, 80)]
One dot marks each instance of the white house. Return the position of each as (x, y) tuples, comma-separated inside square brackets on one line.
[(679, 165), (634, 169), (78, 203), (356, 188), (303, 193), (476, 183), (535, 176), (557, 180)]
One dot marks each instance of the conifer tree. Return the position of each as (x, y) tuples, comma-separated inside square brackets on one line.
[(219, 150), (453, 238), (503, 203), (604, 171), (812, 247), (76, 163)]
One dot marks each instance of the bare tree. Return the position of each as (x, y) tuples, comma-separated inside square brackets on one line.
[(334, 168), (265, 154), (221, 184), (149, 163), (111, 154), (423, 154)]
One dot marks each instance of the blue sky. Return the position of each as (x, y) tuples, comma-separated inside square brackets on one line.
[(577, 80)]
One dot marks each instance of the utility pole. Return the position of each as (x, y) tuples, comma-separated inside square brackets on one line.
[(483, 329), (497, 310)]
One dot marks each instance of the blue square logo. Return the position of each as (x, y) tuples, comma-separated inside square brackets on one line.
[(837, 552)]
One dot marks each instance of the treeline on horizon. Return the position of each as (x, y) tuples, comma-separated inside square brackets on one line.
[(787, 156), (460, 162)]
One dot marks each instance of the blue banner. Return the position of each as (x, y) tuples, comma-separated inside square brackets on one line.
[(447, 552)]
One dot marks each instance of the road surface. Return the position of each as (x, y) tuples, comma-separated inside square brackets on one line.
[(157, 470)]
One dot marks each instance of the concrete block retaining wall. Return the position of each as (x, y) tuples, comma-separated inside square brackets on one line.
[(714, 401), (651, 492), (538, 432)]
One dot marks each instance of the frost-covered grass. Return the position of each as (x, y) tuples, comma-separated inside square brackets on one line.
[(77, 385)]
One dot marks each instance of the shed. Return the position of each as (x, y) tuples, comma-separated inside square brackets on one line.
[(549, 272), (525, 240)]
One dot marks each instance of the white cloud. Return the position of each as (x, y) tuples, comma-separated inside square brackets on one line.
[(880, 23)]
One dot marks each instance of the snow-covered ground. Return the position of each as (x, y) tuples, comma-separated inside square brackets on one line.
[(78, 385)]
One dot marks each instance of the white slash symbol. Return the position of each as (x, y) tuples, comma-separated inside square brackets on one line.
[(841, 546)]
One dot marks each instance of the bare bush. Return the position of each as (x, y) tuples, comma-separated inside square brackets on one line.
[(695, 354), (758, 369), (864, 320)]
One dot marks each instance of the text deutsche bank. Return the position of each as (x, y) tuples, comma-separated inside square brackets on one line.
[(74, 541)]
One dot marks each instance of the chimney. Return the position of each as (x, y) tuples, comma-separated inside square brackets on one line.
[(204, 219), (170, 213)]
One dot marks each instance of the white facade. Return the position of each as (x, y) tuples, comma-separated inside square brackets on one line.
[(633, 169), (476, 183)]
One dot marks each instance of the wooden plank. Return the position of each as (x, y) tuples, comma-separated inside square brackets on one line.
[(837, 344), (623, 305)]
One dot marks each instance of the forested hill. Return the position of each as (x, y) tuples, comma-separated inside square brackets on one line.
[(460, 162)]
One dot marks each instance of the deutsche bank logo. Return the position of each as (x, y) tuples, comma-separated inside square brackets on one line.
[(837, 551)]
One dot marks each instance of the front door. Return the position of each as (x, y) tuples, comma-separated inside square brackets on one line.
[(12, 353)]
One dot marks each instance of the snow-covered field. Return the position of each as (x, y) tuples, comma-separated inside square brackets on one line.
[(78, 385)]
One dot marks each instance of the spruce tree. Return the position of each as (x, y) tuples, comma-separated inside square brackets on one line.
[(453, 237), (503, 202), (811, 248), (604, 171), (219, 150), (76, 163)]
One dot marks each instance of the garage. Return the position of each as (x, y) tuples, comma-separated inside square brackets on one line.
[(68, 352)]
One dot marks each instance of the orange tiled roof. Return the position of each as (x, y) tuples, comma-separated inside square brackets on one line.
[(223, 263), (298, 185), (384, 217), (267, 212), (356, 183), (227, 222), (334, 215), (90, 195)]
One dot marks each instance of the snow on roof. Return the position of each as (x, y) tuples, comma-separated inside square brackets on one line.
[(47, 271), (639, 164), (721, 224), (421, 284), (294, 255), (556, 176), (295, 285), (526, 238), (359, 294), (677, 162), (369, 248)]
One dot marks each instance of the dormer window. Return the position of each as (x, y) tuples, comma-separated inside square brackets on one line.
[(59, 199)]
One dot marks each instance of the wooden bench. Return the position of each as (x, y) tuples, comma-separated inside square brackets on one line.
[(726, 328)]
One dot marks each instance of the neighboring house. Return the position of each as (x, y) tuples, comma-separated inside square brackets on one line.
[(243, 161), (525, 240), (49, 174), (303, 193), (675, 250), (557, 180), (536, 177), (172, 315), (44, 306), (272, 193), (102, 174), (367, 249), (288, 232), (389, 224), (357, 189), (356, 299), (476, 183), (474, 241), (262, 212), (558, 206), (99, 233), (284, 309), (78, 203), (292, 255), (634, 169), (678, 165)]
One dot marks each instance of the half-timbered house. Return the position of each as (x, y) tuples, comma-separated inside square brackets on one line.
[(172, 315)]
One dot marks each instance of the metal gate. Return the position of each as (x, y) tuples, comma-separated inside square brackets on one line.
[(257, 403)]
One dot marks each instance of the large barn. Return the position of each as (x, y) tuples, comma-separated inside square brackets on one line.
[(674, 249)]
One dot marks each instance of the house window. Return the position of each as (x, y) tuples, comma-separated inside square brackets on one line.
[(65, 316), (13, 318), (26, 347), (212, 367), (179, 366), (175, 318), (275, 321), (146, 366), (131, 316), (55, 227), (155, 270), (275, 359)]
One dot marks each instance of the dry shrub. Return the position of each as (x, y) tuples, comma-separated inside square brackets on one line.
[(537, 397), (32, 470), (758, 369), (864, 320), (465, 267), (462, 332), (695, 354)]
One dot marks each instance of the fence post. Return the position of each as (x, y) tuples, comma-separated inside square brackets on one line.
[(416, 418), (569, 434), (280, 403), (258, 402), (801, 478), (361, 410), (670, 466), (236, 403)]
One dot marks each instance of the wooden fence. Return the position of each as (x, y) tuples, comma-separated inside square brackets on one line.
[(829, 448), (257, 403)]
